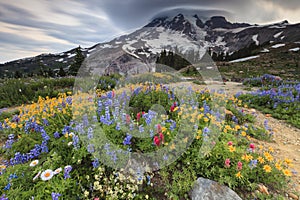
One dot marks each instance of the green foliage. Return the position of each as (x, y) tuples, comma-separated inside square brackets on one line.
[(14, 92), (171, 59)]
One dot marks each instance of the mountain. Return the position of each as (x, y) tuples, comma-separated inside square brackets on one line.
[(189, 35)]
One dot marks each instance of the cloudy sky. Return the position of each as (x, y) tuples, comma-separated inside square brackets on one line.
[(32, 27)]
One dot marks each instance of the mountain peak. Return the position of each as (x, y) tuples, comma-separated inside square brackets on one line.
[(221, 22)]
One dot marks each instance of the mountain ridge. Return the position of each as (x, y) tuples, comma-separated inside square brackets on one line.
[(181, 33)]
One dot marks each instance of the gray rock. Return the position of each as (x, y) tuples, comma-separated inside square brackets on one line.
[(205, 189)]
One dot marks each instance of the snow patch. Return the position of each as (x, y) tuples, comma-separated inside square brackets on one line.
[(244, 59), (295, 49), (236, 30), (107, 46), (282, 37), (265, 51), (71, 55), (60, 60), (254, 38), (93, 49), (277, 46), (276, 26), (277, 34)]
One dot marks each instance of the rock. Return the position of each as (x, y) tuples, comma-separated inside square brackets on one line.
[(293, 196), (205, 189), (263, 189)]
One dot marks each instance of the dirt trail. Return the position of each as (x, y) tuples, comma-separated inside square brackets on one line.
[(286, 140)]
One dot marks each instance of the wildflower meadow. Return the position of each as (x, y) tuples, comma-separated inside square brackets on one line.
[(144, 140)]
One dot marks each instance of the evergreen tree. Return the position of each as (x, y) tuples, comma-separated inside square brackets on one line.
[(61, 72), (17, 74), (79, 58)]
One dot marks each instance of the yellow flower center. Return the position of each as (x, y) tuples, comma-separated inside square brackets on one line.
[(47, 174)]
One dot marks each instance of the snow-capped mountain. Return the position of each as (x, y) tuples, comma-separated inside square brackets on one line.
[(184, 34)]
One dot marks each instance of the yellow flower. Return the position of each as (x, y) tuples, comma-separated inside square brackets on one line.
[(2, 166), (271, 149), (278, 166), (225, 130), (238, 175), (237, 127), (200, 116), (261, 160), (267, 168), (231, 149), (288, 161), (172, 146), (163, 129), (243, 133), (268, 156), (198, 137), (247, 157), (287, 172), (13, 125), (228, 127)]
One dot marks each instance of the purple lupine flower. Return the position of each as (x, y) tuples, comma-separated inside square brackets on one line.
[(44, 147), (7, 187), (127, 139), (206, 130), (45, 122), (55, 195), (118, 127), (85, 120), (253, 164), (56, 134), (90, 133), (69, 100), (95, 163), (141, 129), (3, 197), (75, 141), (67, 171), (45, 136), (90, 148)]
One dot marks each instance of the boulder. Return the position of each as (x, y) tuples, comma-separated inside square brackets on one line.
[(205, 189)]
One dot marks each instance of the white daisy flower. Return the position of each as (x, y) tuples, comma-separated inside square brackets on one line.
[(70, 143), (36, 176), (34, 163), (47, 175), (57, 171)]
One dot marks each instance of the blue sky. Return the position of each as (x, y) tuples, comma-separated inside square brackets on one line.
[(31, 27)]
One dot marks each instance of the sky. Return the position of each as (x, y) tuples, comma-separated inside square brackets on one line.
[(32, 27)]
